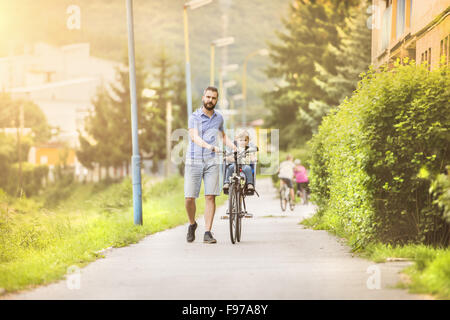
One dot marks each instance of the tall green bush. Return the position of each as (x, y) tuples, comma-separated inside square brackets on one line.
[(374, 158)]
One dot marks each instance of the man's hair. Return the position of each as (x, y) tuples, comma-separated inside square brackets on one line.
[(213, 89)]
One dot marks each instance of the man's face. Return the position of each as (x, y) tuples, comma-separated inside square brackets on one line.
[(209, 100)]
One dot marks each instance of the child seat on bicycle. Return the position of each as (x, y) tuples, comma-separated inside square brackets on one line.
[(248, 164)]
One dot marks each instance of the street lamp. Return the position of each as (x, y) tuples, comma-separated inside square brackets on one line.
[(218, 43), (261, 52), (135, 159), (193, 4)]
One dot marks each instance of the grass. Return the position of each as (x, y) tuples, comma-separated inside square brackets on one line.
[(39, 242), (430, 273)]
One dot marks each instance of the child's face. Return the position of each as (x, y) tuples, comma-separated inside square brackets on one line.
[(243, 141)]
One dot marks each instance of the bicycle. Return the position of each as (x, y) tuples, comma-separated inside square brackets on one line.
[(237, 192), (303, 193), (285, 197)]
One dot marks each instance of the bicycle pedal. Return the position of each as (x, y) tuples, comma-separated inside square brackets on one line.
[(224, 217)]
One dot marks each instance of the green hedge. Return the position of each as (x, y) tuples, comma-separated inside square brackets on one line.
[(375, 156)]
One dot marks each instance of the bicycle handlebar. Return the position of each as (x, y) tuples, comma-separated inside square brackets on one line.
[(240, 153)]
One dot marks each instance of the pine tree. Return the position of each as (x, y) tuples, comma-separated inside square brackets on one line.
[(162, 86), (310, 29), (108, 128), (353, 58)]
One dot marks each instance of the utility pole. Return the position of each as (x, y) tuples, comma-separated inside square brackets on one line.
[(136, 158), (168, 131), (19, 147)]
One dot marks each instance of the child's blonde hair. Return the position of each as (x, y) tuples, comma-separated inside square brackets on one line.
[(243, 134)]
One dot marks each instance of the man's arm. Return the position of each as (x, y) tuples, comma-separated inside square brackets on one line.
[(195, 137), (227, 141)]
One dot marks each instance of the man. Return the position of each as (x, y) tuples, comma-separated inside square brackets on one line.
[(204, 126), (286, 174)]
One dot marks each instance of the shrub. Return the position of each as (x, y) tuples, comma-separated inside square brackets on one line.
[(374, 158)]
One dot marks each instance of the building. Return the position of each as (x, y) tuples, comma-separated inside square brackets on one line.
[(62, 81), (414, 29)]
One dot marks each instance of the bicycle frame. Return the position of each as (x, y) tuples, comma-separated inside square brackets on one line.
[(237, 191)]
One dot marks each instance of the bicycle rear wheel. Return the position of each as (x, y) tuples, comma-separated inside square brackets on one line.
[(283, 201), (233, 210)]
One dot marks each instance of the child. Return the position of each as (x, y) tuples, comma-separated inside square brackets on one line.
[(301, 178), (243, 140)]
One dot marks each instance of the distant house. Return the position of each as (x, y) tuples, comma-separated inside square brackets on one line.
[(62, 81), (414, 29), (52, 155)]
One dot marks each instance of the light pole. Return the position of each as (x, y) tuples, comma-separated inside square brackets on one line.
[(135, 159), (218, 43), (236, 97), (230, 67), (193, 4), (262, 52)]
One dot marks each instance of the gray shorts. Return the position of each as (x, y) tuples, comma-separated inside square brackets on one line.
[(195, 170)]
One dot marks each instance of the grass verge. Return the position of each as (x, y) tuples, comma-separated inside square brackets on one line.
[(430, 273), (38, 243)]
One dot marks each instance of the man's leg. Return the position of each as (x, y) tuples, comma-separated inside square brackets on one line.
[(192, 183), (210, 210), (189, 203), (212, 189), (281, 184)]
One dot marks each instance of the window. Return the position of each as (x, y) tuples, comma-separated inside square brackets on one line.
[(426, 58), (401, 18), (445, 50), (386, 28)]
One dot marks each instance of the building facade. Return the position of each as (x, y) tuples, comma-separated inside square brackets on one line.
[(414, 29), (62, 81)]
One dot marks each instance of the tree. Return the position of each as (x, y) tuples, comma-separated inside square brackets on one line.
[(108, 127), (310, 29), (353, 59), (162, 92), (34, 118)]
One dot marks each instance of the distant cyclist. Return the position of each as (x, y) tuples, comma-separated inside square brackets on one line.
[(301, 178), (286, 174)]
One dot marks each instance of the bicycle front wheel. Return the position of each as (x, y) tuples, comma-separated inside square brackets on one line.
[(239, 217), (234, 212)]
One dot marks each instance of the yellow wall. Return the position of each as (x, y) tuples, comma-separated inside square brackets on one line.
[(424, 11), (55, 155), (432, 39)]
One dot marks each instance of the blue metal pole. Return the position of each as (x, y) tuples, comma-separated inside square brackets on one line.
[(135, 159), (188, 63)]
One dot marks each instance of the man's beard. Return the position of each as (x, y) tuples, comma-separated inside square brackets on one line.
[(209, 106)]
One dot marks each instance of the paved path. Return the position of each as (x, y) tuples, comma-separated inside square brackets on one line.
[(277, 259)]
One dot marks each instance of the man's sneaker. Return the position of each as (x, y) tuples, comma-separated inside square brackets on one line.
[(191, 232), (226, 186), (208, 238)]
